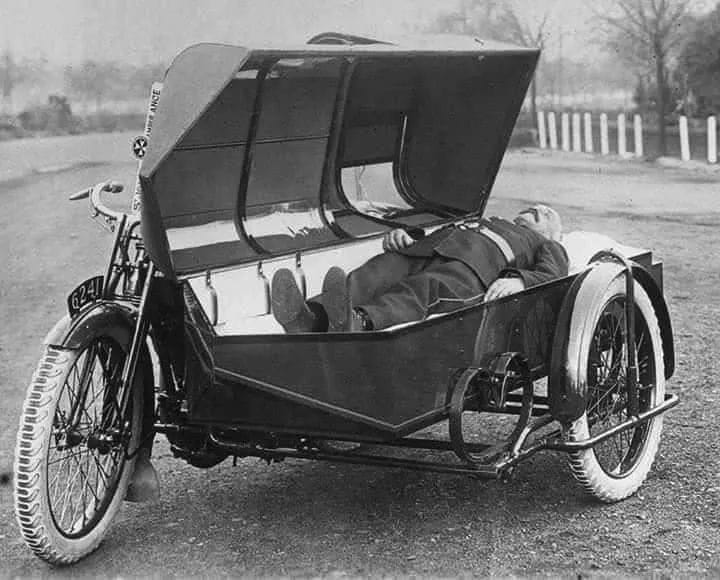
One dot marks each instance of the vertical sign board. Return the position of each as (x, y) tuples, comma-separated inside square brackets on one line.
[(552, 130), (622, 143), (637, 127), (604, 139), (140, 143), (712, 139), (576, 133), (565, 130), (587, 118), (684, 138), (542, 132)]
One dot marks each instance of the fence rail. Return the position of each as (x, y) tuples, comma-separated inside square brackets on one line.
[(588, 133)]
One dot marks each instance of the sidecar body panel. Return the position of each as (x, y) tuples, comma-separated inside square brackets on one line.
[(376, 385)]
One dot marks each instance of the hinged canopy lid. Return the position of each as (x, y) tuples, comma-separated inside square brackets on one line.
[(264, 151)]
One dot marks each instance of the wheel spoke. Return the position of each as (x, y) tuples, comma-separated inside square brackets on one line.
[(81, 480), (66, 499), (85, 476), (69, 455)]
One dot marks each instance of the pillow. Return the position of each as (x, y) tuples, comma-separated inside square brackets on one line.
[(581, 246)]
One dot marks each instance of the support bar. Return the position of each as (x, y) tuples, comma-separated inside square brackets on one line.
[(556, 444), (482, 471)]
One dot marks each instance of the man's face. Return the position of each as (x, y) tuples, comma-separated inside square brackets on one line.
[(541, 219)]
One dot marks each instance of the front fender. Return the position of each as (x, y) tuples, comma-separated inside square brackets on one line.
[(117, 321), (106, 318)]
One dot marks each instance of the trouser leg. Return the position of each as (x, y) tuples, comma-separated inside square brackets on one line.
[(374, 277), (382, 272), (441, 286)]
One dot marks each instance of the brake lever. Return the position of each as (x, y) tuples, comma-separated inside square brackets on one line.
[(110, 187), (82, 194), (99, 209)]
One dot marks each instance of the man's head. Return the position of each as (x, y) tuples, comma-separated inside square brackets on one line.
[(541, 219)]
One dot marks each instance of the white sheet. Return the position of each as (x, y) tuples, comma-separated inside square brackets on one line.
[(582, 245), (241, 292)]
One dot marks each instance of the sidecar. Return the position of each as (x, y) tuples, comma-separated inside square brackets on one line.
[(303, 158)]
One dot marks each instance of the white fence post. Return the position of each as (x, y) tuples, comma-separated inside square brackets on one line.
[(637, 127), (588, 133), (565, 128), (684, 139), (542, 133), (552, 129), (712, 139), (576, 140), (604, 141), (622, 144)]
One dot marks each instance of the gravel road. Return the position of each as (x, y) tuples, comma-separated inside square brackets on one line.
[(308, 519)]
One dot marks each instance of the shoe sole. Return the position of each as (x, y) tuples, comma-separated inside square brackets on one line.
[(336, 300), (288, 302)]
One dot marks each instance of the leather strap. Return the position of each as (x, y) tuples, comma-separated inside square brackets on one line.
[(494, 237), (500, 242)]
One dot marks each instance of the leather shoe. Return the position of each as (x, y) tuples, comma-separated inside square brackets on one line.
[(288, 303), (336, 300), (360, 321)]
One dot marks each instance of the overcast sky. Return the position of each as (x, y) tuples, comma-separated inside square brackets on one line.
[(142, 31)]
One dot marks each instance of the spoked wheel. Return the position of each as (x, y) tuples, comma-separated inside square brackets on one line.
[(616, 467), (71, 463)]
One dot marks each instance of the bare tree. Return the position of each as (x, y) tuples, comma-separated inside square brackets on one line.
[(11, 74), (92, 80), (645, 33), (524, 33), (699, 61), (497, 20)]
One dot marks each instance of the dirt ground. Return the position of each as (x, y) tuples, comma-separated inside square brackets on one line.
[(315, 519)]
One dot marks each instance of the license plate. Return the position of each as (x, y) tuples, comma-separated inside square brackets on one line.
[(87, 292)]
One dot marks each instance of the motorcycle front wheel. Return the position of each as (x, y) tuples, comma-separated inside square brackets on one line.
[(73, 457)]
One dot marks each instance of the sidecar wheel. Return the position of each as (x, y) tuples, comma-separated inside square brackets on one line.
[(71, 464), (616, 467)]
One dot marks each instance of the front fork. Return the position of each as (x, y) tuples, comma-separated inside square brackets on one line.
[(142, 326), (126, 380)]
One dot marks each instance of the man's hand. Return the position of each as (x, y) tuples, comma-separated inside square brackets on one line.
[(504, 287), (397, 240)]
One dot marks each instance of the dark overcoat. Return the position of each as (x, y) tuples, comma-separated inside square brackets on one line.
[(537, 259)]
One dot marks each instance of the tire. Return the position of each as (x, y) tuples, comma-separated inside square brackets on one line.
[(71, 481), (616, 467)]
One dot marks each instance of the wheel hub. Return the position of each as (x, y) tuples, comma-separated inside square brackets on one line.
[(103, 442), (68, 439)]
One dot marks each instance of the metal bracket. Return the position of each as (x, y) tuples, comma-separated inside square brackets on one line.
[(632, 375), (266, 282), (213, 298), (301, 274), (486, 389)]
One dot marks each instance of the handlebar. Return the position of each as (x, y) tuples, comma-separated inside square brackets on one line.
[(95, 194)]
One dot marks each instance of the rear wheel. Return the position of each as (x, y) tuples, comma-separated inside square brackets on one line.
[(616, 467), (71, 460)]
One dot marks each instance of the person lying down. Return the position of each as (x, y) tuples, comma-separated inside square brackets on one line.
[(457, 265)]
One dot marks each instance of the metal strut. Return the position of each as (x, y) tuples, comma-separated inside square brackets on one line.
[(487, 388), (632, 374)]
